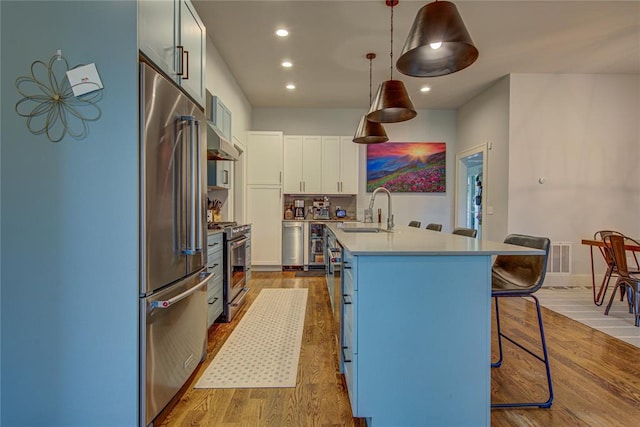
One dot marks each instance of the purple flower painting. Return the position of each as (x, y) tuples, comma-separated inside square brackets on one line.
[(407, 167)]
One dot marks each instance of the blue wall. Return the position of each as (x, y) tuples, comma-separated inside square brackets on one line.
[(69, 227)]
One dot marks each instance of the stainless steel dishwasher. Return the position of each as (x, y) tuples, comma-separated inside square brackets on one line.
[(292, 244)]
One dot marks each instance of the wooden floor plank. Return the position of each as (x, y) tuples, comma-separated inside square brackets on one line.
[(596, 378)]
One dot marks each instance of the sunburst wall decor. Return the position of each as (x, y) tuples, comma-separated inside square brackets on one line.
[(49, 103)]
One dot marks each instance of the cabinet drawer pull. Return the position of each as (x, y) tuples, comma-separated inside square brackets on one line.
[(346, 266), (213, 244), (344, 356), (214, 301), (183, 53), (186, 75), (181, 49), (345, 301)]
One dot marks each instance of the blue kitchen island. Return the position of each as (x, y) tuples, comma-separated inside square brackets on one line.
[(416, 325)]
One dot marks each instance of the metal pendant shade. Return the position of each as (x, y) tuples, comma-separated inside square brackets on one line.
[(391, 103), (437, 24), (370, 132)]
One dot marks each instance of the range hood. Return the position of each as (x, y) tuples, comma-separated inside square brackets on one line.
[(218, 147)]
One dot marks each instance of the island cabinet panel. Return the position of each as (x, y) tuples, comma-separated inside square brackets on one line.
[(349, 356), (420, 353)]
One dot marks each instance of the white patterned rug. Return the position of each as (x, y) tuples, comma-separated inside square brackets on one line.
[(264, 348), (577, 303)]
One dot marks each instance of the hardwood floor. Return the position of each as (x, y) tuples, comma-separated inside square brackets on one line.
[(596, 378)]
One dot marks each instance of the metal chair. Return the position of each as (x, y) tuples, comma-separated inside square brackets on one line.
[(614, 244), (462, 231), (415, 224), (611, 265), (434, 227), (521, 276)]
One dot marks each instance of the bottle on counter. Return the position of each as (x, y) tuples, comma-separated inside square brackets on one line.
[(288, 213)]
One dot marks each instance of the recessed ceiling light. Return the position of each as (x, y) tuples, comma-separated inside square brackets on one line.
[(291, 86), (281, 32), (287, 64), (425, 89)]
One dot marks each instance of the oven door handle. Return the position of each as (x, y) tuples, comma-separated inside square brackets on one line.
[(241, 295), (236, 243)]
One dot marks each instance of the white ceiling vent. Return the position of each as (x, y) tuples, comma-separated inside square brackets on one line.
[(559, 258)]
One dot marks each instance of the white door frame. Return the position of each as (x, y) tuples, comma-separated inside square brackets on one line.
[(461, 179)]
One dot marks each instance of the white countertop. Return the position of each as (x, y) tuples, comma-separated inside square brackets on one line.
[(321, 220), (405, 240)]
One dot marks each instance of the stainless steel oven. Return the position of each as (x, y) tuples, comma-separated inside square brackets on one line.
[(237, 265)]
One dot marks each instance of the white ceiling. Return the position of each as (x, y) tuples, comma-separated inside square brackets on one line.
[(329, 39)]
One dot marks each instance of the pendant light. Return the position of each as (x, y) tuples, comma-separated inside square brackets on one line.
[(392, 103), (370, 132), (438, 43)]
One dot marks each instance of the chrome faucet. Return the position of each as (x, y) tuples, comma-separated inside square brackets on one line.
[(389, 214)]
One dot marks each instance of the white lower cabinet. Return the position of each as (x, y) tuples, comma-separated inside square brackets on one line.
[(214, 266), (264, 213)]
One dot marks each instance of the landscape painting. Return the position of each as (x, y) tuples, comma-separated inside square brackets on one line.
[(407, 167)]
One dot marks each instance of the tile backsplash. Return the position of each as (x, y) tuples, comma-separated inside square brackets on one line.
[(348, 203)]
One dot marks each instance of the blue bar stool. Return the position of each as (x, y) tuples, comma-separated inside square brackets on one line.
[(434, 227), (462, 231), (521, 276)]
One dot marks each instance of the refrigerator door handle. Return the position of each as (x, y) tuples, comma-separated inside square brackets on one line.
[(171, 301), (199, 202), (192, 241)]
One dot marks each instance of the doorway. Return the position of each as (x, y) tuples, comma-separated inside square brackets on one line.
[(471, 191)]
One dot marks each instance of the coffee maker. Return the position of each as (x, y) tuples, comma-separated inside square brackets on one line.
[(298, 209), (321, 209)]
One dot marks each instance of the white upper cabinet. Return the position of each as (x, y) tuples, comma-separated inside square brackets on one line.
[(173, 37), (330, 164), (221, 117), (340, 165), (302, 164), (264, 158), (349, 165), (193, 37), (157, 26)]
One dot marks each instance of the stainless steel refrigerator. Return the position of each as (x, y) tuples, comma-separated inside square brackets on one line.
[(173, 282)]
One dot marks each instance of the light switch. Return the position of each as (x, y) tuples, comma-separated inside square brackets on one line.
[(84, 79), (489, 210)]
